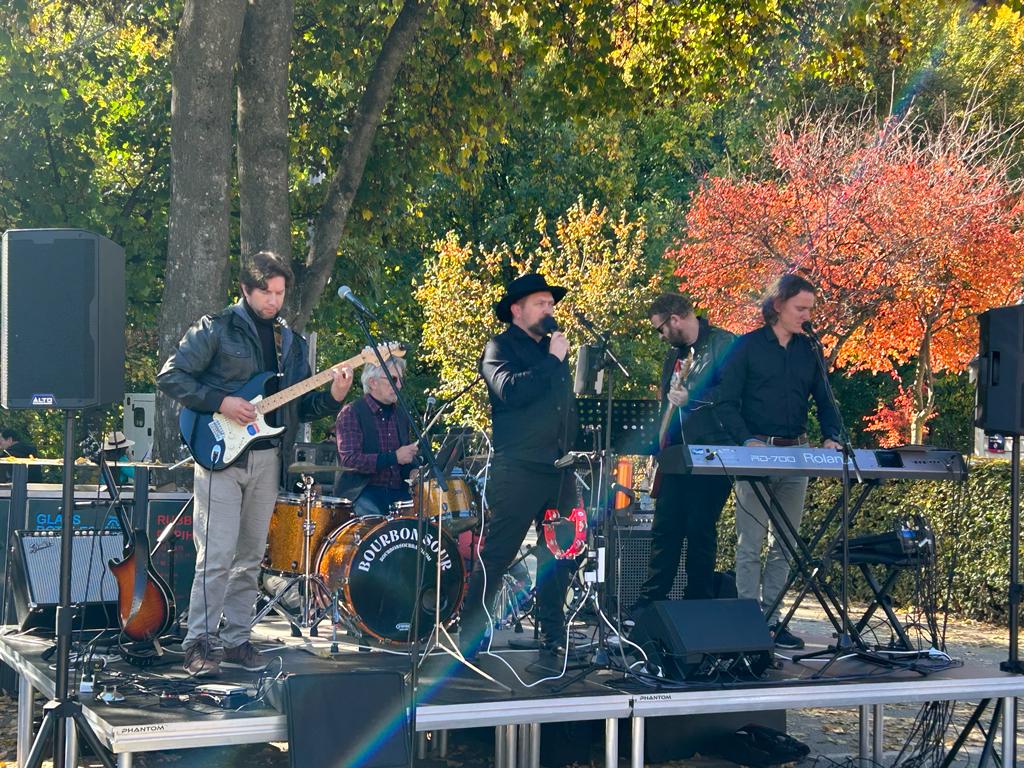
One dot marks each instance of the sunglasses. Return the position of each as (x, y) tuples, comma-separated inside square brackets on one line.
[(662, 324)]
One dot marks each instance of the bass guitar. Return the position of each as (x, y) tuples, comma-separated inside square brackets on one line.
[(216, 441)]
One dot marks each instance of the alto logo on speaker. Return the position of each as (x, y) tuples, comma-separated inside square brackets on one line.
[(43, 400)]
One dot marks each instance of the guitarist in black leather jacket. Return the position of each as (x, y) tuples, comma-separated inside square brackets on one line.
[(687, 506), (217, 356)]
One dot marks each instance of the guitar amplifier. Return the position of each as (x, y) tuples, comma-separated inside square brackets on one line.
[(631, 554), (323, 455), (35, 577)]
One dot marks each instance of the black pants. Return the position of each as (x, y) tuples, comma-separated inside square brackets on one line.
[(688, 507), (517, 496)]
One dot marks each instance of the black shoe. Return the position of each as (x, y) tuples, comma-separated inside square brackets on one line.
[(785, 639), (558, 649)]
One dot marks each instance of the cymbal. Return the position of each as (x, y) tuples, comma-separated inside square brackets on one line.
[(308, 467)]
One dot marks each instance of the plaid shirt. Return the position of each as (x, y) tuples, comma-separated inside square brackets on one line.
[(383, 467)]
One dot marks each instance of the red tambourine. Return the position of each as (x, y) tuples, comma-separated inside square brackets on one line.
[(578, 519)]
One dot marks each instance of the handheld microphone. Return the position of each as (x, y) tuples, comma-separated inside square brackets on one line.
[(344, 292), (548, 324)]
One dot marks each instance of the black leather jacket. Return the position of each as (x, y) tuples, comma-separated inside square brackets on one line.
[(221, 352), (701, 421)]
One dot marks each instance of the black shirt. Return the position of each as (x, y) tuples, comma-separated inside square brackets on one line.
[(765, 388), (533, 412)]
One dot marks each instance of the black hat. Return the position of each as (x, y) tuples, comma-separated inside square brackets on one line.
[(522, 286)]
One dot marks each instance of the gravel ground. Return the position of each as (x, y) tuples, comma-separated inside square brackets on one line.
[(832, 734)]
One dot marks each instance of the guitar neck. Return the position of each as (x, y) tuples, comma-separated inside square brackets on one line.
[(315, 381)]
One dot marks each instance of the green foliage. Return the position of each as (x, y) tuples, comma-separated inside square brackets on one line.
[(84, 142), (971, 526)]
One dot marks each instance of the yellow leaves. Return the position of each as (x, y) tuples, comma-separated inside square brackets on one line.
[(367, 214), (600, 260)]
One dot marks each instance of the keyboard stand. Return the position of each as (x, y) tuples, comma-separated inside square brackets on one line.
[(821, 565)]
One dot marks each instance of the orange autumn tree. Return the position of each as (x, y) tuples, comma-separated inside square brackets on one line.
[(908, 231)]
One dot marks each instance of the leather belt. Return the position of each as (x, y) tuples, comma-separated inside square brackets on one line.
[(782, 442)]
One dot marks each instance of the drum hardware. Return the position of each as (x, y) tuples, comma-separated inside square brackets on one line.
[(440, 638), (309, 467), (305, 580)]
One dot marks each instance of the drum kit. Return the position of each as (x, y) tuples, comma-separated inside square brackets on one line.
[(323, 561)]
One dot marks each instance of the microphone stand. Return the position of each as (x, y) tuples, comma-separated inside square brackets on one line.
[(600, 502), (848, 641), (429, 461)]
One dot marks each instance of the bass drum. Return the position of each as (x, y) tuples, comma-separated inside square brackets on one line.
[(370, 563)]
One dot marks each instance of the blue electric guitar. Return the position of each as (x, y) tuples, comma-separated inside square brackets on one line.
[(217, 441)]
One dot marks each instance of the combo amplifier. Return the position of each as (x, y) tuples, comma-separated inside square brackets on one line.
[(631, 553), (35, 577)]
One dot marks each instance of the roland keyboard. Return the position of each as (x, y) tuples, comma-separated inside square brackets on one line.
[(912, 462)]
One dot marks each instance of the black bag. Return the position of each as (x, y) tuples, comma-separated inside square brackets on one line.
[(758, 746)]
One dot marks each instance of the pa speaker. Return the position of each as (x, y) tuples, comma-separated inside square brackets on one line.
[(1000, 402), (36, 577), (62, 326), (705, 639)]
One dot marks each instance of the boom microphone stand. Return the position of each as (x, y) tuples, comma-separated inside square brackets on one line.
[(848, 641), (64, 707)]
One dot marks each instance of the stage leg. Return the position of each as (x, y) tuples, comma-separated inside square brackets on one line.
[(25, 713), (611, 742), (523, 746), (863, 723), (499, 747), (421, 744), (124, 760), (1009, 731), (442, 744), (877, 733), (534, 746), (511, 733), (70, 744), (637, 754)]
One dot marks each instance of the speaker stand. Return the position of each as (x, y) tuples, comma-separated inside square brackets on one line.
[(64, 707)]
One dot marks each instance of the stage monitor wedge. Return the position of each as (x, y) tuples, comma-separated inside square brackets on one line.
[(1000, 401), (62, 317)]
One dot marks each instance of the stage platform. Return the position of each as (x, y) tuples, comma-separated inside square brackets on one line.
[(451, 698)]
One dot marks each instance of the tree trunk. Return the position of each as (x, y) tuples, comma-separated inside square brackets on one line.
[(924, 391), (195, 279), (263, 127), (330, 220)]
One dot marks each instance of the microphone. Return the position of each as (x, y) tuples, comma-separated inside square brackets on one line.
[(808, 330), (584, 322), (346, 293), (548, 324)]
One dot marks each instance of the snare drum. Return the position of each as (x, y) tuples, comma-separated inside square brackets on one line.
[(284, 541), (370, 562)]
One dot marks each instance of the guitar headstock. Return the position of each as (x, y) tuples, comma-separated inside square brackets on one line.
[(387, 351)]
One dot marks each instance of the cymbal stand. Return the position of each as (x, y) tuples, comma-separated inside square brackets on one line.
[(440, 639), (305, 581)]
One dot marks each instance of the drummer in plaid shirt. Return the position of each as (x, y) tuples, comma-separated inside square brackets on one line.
[(374, 444)]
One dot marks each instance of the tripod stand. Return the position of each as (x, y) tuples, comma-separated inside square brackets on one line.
[(305, 581), (64, 710)]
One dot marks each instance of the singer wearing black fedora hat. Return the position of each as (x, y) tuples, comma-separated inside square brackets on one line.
[(533, 417)]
